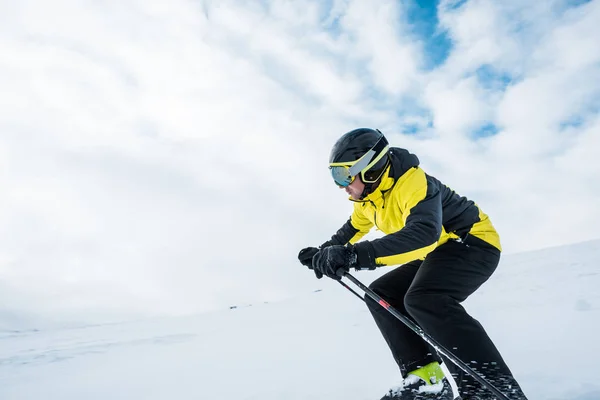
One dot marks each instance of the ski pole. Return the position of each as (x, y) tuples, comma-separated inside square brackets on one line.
[(352, 290), (415, 328)]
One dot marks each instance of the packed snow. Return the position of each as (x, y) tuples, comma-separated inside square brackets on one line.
[(542, 309)]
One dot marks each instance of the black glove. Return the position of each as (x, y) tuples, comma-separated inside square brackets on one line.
[(305, 257), (333, 258)]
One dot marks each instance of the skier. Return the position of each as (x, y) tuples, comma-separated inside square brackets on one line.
[(447, 248)]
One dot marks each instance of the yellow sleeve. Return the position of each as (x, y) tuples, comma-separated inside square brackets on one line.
[(360, 222)]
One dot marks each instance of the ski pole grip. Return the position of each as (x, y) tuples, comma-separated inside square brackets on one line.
[(340, 272)]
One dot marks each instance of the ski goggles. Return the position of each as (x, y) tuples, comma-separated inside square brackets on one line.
[(344, 173)]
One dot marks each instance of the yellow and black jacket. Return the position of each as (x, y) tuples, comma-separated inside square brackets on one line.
[(416, 212)]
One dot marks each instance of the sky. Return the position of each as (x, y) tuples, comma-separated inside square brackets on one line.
[(161, 158)]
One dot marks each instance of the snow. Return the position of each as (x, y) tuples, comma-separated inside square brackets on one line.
[(542, 309)]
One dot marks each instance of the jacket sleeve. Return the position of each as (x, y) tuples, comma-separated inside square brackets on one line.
[(355, 228), (420, 204)]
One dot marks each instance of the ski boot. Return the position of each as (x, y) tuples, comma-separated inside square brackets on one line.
[(425, 383)]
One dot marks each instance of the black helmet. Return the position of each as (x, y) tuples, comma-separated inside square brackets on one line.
[(361, 151)]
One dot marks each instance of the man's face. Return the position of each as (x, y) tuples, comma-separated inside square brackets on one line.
[(355, 189)]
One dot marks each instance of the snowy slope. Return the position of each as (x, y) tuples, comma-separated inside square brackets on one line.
[(542, 308)]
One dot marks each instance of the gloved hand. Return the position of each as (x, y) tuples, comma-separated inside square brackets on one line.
[(330, 259), (305, 257), (306, 254)]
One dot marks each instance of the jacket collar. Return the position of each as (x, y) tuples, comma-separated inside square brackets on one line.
[(387, 182), (401, 161)]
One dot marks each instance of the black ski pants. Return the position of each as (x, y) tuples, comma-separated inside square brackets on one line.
[(430, 292)]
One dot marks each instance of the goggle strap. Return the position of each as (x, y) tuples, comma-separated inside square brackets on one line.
[(371, 157), (362, 162), (376, 160)]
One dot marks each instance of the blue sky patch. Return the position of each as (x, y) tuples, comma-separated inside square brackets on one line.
[(574, 121), (576, 3), (423, 19), (453, 5), (486, 130), (331, 23), (492, 78), (411, 129)]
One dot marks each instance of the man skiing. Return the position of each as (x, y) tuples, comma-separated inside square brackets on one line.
[(447, 248)]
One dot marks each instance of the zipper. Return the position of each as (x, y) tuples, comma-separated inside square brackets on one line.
[(375, 214)]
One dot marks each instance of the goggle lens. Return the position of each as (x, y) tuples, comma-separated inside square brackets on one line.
[(341, 175)]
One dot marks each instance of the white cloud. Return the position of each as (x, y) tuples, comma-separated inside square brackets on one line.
[(379, 38), (457, 106), (171, 157)]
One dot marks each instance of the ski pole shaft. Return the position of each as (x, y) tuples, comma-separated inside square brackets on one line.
[(415, 328), (352, 290)]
